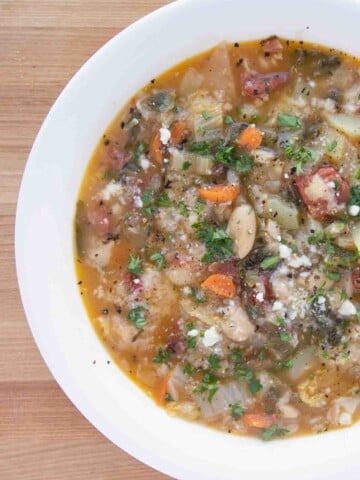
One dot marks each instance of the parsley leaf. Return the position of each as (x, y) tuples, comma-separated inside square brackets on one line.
[(197, 295), (214, 362), (162, 356), (191, 343), (237, 411), (228, 120), (332, 146), (355, 196), (160, 260), (291, 121), (202, 148), (186, 165), (269, 262), (162, 200), (141, 147), (217, 241), (135, 265), (274, 431), (240, 162), (206, 115), (136, 316), (199, 206)]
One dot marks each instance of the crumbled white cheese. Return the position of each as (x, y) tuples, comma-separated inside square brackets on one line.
[(347, 309), (354, 210), (211, 337), (321, 300), (345, 418), (136, 280), (297, 262), (165, 135), (193, 333), (260, 297), (144, 162), (138, 202), (186, 290), (277, 305), (284, 251), (112, 189)]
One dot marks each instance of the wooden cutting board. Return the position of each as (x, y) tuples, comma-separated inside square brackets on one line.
[(42, 44)]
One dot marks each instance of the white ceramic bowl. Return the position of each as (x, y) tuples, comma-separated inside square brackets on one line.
[(44, 241)]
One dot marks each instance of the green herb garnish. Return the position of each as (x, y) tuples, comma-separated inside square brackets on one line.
[(274, 431), (237, 411), (331, 147), (135, 265), (160, 260), (136, 316), (291, 121), (162, 356), (270, 262), (217, 241)]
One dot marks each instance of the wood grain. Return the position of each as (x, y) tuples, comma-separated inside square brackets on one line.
[(42, 44)]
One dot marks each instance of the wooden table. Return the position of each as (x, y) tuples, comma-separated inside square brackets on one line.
[(42, 44)]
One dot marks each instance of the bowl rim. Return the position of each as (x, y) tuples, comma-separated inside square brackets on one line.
[(160, 462)]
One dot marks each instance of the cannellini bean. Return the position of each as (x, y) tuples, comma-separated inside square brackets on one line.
[(242, 228), (236, 324)]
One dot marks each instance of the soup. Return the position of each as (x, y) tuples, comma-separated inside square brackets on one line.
[(218, 237)]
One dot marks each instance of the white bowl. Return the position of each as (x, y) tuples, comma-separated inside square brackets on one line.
[(44, 241)]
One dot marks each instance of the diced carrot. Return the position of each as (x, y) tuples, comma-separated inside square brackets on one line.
[(178, 132), (219, 193), (156, 148), (220, 284), (250, 138), (257, 420), (161, 391)]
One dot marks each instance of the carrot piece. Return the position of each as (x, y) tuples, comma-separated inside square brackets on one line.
[(156, 148), (250, 138), (161, 391), (219, 193), (257, 420), (221, 284), (178, 132)]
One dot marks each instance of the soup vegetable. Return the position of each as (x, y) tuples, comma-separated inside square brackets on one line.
[(218, 237)]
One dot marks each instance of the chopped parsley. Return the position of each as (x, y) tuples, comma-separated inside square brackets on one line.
[(290, 121), (239, 161), (202, 148), (299, 156), (141, 148), (199, 206), (237, 411), (197, 295), (135, 265), (228, 120), (162, 356), (331, 147), (162, 200), (217, 241), (159, 259), (244, 372), (208, 385), (150, 204), (191, 343), (206, 115), (181, 206), (214, 362), (355, 196), (270, 262), (333, 275), (284, 336), (186, 165), (274, 431), (136, 316)]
